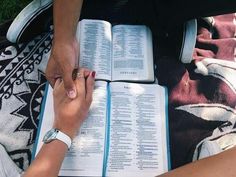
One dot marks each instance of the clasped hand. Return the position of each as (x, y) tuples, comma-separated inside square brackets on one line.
[(70, 113), (63, 60)]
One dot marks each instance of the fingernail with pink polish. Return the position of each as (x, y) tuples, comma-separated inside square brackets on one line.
[(93, 74), (71, 94)]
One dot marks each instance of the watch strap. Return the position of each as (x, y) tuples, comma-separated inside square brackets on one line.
[(64, 138)]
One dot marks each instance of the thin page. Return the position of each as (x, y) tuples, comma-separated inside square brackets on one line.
[(137, 131), (132, 53), (95, 47), (85, 157)]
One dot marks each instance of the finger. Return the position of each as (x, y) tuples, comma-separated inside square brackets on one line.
[(86, 72), (77, 56), (69, 84), (74, 73), (57, 83), (80, 82), (52, 72), (49, 78), (51, 81), (90, 86)]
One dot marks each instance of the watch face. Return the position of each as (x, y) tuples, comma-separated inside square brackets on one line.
[(50, 135)]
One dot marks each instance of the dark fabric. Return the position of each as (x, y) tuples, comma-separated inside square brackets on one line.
[(3, 31), (173, 12), (4, 27), (152, 12)]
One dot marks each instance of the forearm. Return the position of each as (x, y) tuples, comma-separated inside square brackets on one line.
[(48, 161), (69, 116), (216, 166), (65, 16)]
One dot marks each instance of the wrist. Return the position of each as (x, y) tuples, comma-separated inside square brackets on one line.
[(66, 44), (69, 131), (63, 39), (55, 134)]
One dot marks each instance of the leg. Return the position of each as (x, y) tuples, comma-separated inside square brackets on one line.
[(171, 16), (174, 12), (118, 11)]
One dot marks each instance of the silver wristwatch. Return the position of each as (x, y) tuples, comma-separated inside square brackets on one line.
[(54, 134)]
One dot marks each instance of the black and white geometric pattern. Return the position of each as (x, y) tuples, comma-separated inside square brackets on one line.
[(22, 84)]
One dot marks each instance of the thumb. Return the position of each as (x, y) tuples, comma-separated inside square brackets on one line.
[(69, 84), (90, 86)]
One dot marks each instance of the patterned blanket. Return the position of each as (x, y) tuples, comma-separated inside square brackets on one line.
[(22, 85), (202, 95)]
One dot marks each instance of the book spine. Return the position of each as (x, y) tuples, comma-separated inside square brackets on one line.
[(40, 121), (107, 135), (167, 130)]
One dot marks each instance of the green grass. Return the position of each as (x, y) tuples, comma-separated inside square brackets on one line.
[(10, 8)]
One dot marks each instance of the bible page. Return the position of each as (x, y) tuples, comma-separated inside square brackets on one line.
[(85, 157), (132, 53), (95, 38), (138, 140)]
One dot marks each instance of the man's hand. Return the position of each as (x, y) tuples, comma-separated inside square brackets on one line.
[(63, 60), (70, 113), (65, 52)]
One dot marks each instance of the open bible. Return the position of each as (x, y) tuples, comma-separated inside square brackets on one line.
[(125, 133), (120, 52)]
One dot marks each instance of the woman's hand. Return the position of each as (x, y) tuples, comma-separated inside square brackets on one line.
[(70, 113)]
